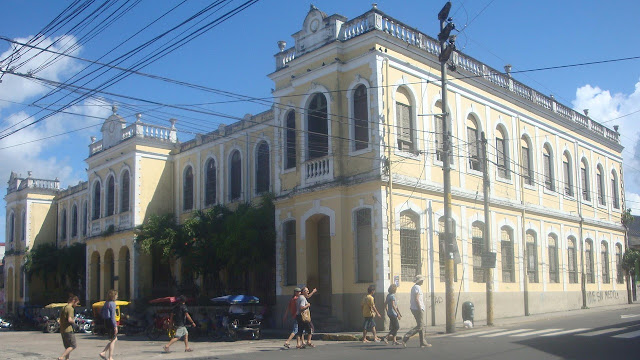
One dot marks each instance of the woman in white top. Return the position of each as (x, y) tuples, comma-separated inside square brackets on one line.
[(302, 305)]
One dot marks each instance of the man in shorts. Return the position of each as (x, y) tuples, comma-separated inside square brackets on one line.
[(67, 317), (369, 311), (179, 314)]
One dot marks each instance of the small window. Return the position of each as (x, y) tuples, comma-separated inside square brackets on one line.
[(210, 183), (111, 196), (124, 192), (604, 258), (473, 140), (615, 196), (96, 201), (262, 168), (619, 270), (527, 169), (568, 174), (572, 260), (584, 178), (532, 256), (506, 250), (588, 261), (290, 161), (502, 154), (600, 183), (187, 189), (554, 275), (360, 118), (409, 246), (547, 159)]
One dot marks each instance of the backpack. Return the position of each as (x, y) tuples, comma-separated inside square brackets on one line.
[(105, 313)]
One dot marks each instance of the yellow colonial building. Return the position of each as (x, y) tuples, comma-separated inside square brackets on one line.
[(352, 150)]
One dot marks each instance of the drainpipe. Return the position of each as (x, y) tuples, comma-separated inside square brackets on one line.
[(389, 182), (579, 200), (523, 234)]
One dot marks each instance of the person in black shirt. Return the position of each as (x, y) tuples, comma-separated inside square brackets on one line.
[(179, 315)]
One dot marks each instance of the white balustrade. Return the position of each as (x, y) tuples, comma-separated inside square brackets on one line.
[(95, 227), (317, 170), (96, 147), (124, 221)]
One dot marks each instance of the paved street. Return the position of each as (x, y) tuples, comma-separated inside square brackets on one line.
[(588, 334)]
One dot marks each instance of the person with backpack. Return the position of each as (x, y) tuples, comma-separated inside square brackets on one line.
[(179, 315), (108, 314)]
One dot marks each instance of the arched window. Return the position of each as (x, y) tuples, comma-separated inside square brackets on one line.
[(291, 275), (409, 246), (318, 127), (473, 140), (96, 201), (502, 154), (111, 196), (63, 224), (404, 121), (600, 184), (588, 261), (290, 161), (360, 118), (619, 270), (12, 221), (235, 176), (506, 251), (572, 260), (532, 256), (187, 189), (364, 246), (547, 163), (554, 274), (442, 246), (526, 161), (567, 170), (124, 192), (210, 183), (439, 126), (263, 173), (615, 195), (584, 178), (604, 258), (74, 221), (23, 232), (85, 217), (477, 248)]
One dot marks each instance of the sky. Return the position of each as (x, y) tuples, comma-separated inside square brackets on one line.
[(237, 55)]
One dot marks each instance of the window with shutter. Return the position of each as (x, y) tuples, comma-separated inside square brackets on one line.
[(600, 181), (526, 164), (409, 247), (290, 161), (584, 177), (532, 256), (604, 258), (360, 118), (553, 259), (548, 169), (568, 189), (588, 259), (615, 200), (502, 158), (506, 251), (473, 146), (405, 129), (477, 246), (572, 260)]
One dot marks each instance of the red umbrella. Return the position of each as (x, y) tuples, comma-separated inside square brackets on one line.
[(168, 300)]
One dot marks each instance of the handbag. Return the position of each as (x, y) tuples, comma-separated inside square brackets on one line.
[(306, 315)]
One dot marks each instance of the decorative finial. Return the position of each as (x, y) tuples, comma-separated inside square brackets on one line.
[(29, 173), (138, 116), (507, 69), (616, 127), (586, 112), (173, 123), (374, 5), (281, 45), (114, 109), (93, 139)]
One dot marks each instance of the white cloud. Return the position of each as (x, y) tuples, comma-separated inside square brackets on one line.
[(633, 202), (623, 110)]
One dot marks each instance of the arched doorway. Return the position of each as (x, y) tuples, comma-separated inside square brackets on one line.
[(319, 261), (94, 270), (124, 273), (109, 272)]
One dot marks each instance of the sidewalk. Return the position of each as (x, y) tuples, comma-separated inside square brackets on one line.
[(440, 330)]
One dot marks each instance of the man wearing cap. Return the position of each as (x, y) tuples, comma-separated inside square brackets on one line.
[(417, 309), (292, 308)]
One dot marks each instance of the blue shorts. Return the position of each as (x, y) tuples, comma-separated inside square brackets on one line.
[(295, 327), (368, 323)]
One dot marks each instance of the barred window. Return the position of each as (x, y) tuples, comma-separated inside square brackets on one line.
[(290, 161), (477, 248), (532, 256), (554, 275), (615, 196), (409, 246), (442, 252), (527, 169), (187, 189), (290, 252), (111, 196), (547, 159), (262, 168), (96, 201), (588, 261), (506, 251), (619, 270), (124, 192), (600, 183), (572, 260), (318, 127), (360, 118), (473, 140), (364, 246), (568, 173), (210, 183), (604, 258)]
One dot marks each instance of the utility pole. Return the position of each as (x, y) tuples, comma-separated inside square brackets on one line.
[(488, 271), (445, 52)]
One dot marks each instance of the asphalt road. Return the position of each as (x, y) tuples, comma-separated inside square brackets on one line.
[(589, 335)]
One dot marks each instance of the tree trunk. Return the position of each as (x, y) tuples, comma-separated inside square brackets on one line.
[(628, 278)]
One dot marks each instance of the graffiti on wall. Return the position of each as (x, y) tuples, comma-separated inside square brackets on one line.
[(437, 300), (599, 296)]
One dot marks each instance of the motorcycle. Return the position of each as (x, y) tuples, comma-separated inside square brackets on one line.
[(83, 324)]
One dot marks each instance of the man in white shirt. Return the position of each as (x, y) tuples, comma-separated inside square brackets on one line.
[(417, 309)]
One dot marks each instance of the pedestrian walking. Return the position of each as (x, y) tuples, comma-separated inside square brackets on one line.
[(67, 317), (369, 312), (417, 309), (303, 317), (291, 309), (394, 315), (108, 314), (179, 315)]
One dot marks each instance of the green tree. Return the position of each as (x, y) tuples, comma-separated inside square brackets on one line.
[(627, 220), (160, 237)]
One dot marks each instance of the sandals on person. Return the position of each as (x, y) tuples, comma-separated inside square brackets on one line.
[(386, 341), (310, 345), (188, 350), (287, 346), (300, 346), (102, 357), (165, 349)]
